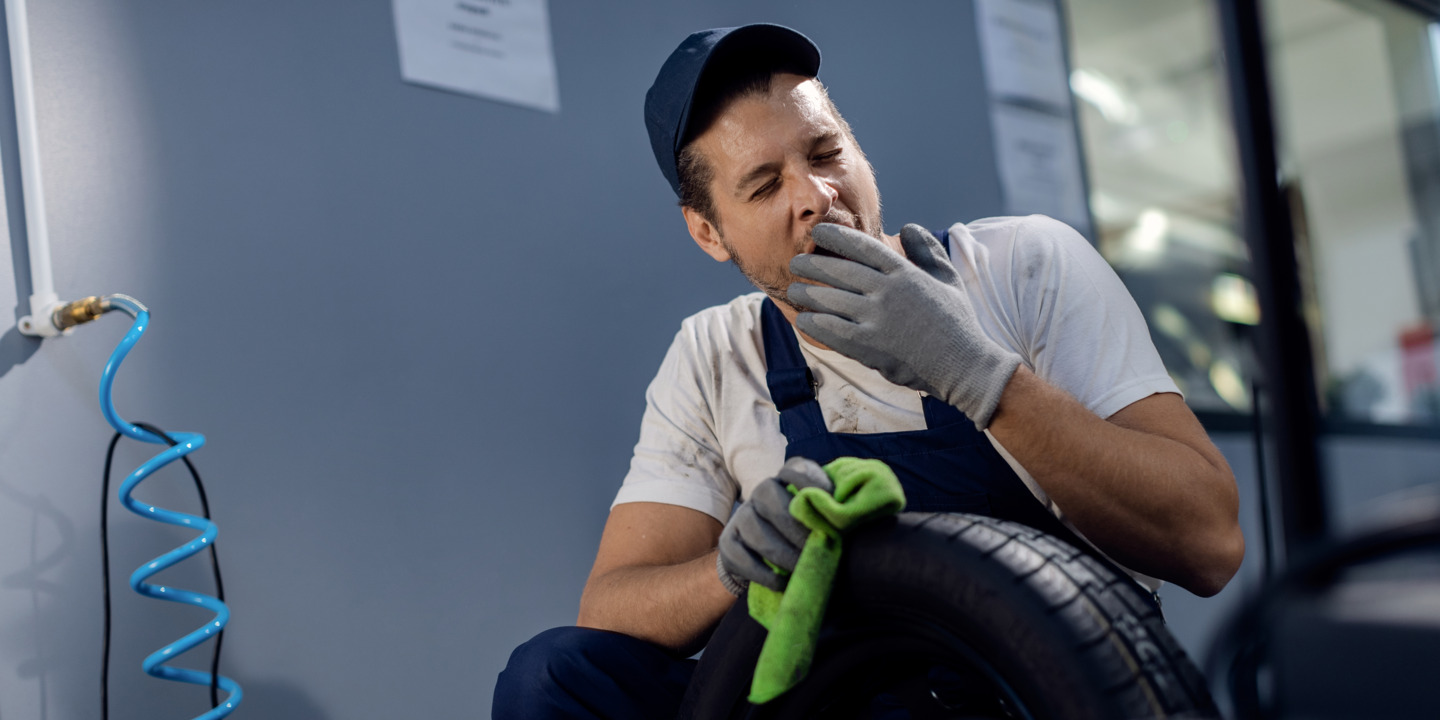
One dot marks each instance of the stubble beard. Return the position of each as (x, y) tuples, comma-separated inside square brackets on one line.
[(775, 282)]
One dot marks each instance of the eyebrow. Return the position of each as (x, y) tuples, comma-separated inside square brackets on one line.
[(770, 168)]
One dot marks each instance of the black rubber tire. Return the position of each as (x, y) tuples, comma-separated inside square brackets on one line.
[(1053, 631)]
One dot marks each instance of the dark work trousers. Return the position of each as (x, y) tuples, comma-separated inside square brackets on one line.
[(572, 672), (575, 672), (950, 466)]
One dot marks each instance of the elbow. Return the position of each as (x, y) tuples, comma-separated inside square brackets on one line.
[(591, 615), (1218, 545), (1214, 562), (586, 619)]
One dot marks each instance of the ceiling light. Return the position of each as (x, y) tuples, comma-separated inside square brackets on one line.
[(1102, 92)]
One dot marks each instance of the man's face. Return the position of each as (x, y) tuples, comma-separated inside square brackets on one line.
[(783, 163)]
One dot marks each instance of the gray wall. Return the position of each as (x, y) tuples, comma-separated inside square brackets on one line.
[(416, 328)]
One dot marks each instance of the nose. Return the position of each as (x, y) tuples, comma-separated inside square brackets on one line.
[(815, 199)]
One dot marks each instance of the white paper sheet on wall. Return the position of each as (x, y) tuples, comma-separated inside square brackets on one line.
[(496, 49), (1021, 47), (1039, 165), (1036, 148)]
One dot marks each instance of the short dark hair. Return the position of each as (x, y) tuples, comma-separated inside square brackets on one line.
[(694, 170), (712, 97)]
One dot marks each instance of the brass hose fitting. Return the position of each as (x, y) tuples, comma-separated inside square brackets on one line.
[(77, 313)]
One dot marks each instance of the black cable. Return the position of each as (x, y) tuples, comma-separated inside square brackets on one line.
[(105, 569), (105, 575)]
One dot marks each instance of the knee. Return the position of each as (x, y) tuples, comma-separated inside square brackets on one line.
[(552, 650), (536, 675)]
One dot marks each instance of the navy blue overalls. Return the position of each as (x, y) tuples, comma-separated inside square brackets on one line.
[(950, 466)]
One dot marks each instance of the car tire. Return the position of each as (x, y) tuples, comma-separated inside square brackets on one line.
[(941, 615)]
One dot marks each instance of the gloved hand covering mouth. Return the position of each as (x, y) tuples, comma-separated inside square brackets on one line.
[(817, 249), (906, 315)]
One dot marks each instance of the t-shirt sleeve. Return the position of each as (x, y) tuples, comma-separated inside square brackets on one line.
[(677, 460), (1079, 326)]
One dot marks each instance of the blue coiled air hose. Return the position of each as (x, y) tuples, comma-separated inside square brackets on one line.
[(185, 443)]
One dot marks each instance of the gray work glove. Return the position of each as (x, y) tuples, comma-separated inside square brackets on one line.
[(763, 529), (911, 321)]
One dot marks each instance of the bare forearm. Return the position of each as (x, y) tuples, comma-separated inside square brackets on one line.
[(1154, 503), (675, 606)]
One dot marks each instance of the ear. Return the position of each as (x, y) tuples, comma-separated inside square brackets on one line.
[(705, 234)]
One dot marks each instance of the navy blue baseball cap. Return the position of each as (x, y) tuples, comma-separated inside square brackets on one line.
[(704, 56)]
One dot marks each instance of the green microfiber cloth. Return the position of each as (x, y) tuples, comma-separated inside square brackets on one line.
[(864, 490)]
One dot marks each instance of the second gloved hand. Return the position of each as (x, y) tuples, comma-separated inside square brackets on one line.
[(910, 320), (764, 530)]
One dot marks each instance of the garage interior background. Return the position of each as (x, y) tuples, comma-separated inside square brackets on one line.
[(415, 326)]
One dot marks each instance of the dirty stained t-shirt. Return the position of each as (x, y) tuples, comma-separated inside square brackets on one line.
[(710, 433)]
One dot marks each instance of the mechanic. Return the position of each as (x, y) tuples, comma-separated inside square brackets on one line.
[(1012, 376)]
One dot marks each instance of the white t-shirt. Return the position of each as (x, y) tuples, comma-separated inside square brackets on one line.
[(710, 432)]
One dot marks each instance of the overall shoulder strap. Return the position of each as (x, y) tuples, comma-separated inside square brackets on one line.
[(792, 386), (786, 373)]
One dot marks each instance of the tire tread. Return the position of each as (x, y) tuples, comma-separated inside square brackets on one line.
[(1117, 630)]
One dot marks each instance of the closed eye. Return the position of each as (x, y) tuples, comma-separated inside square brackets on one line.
[(765, 189)]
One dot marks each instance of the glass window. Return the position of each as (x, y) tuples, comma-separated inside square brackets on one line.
[(1354, 83), (1155, 125)]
